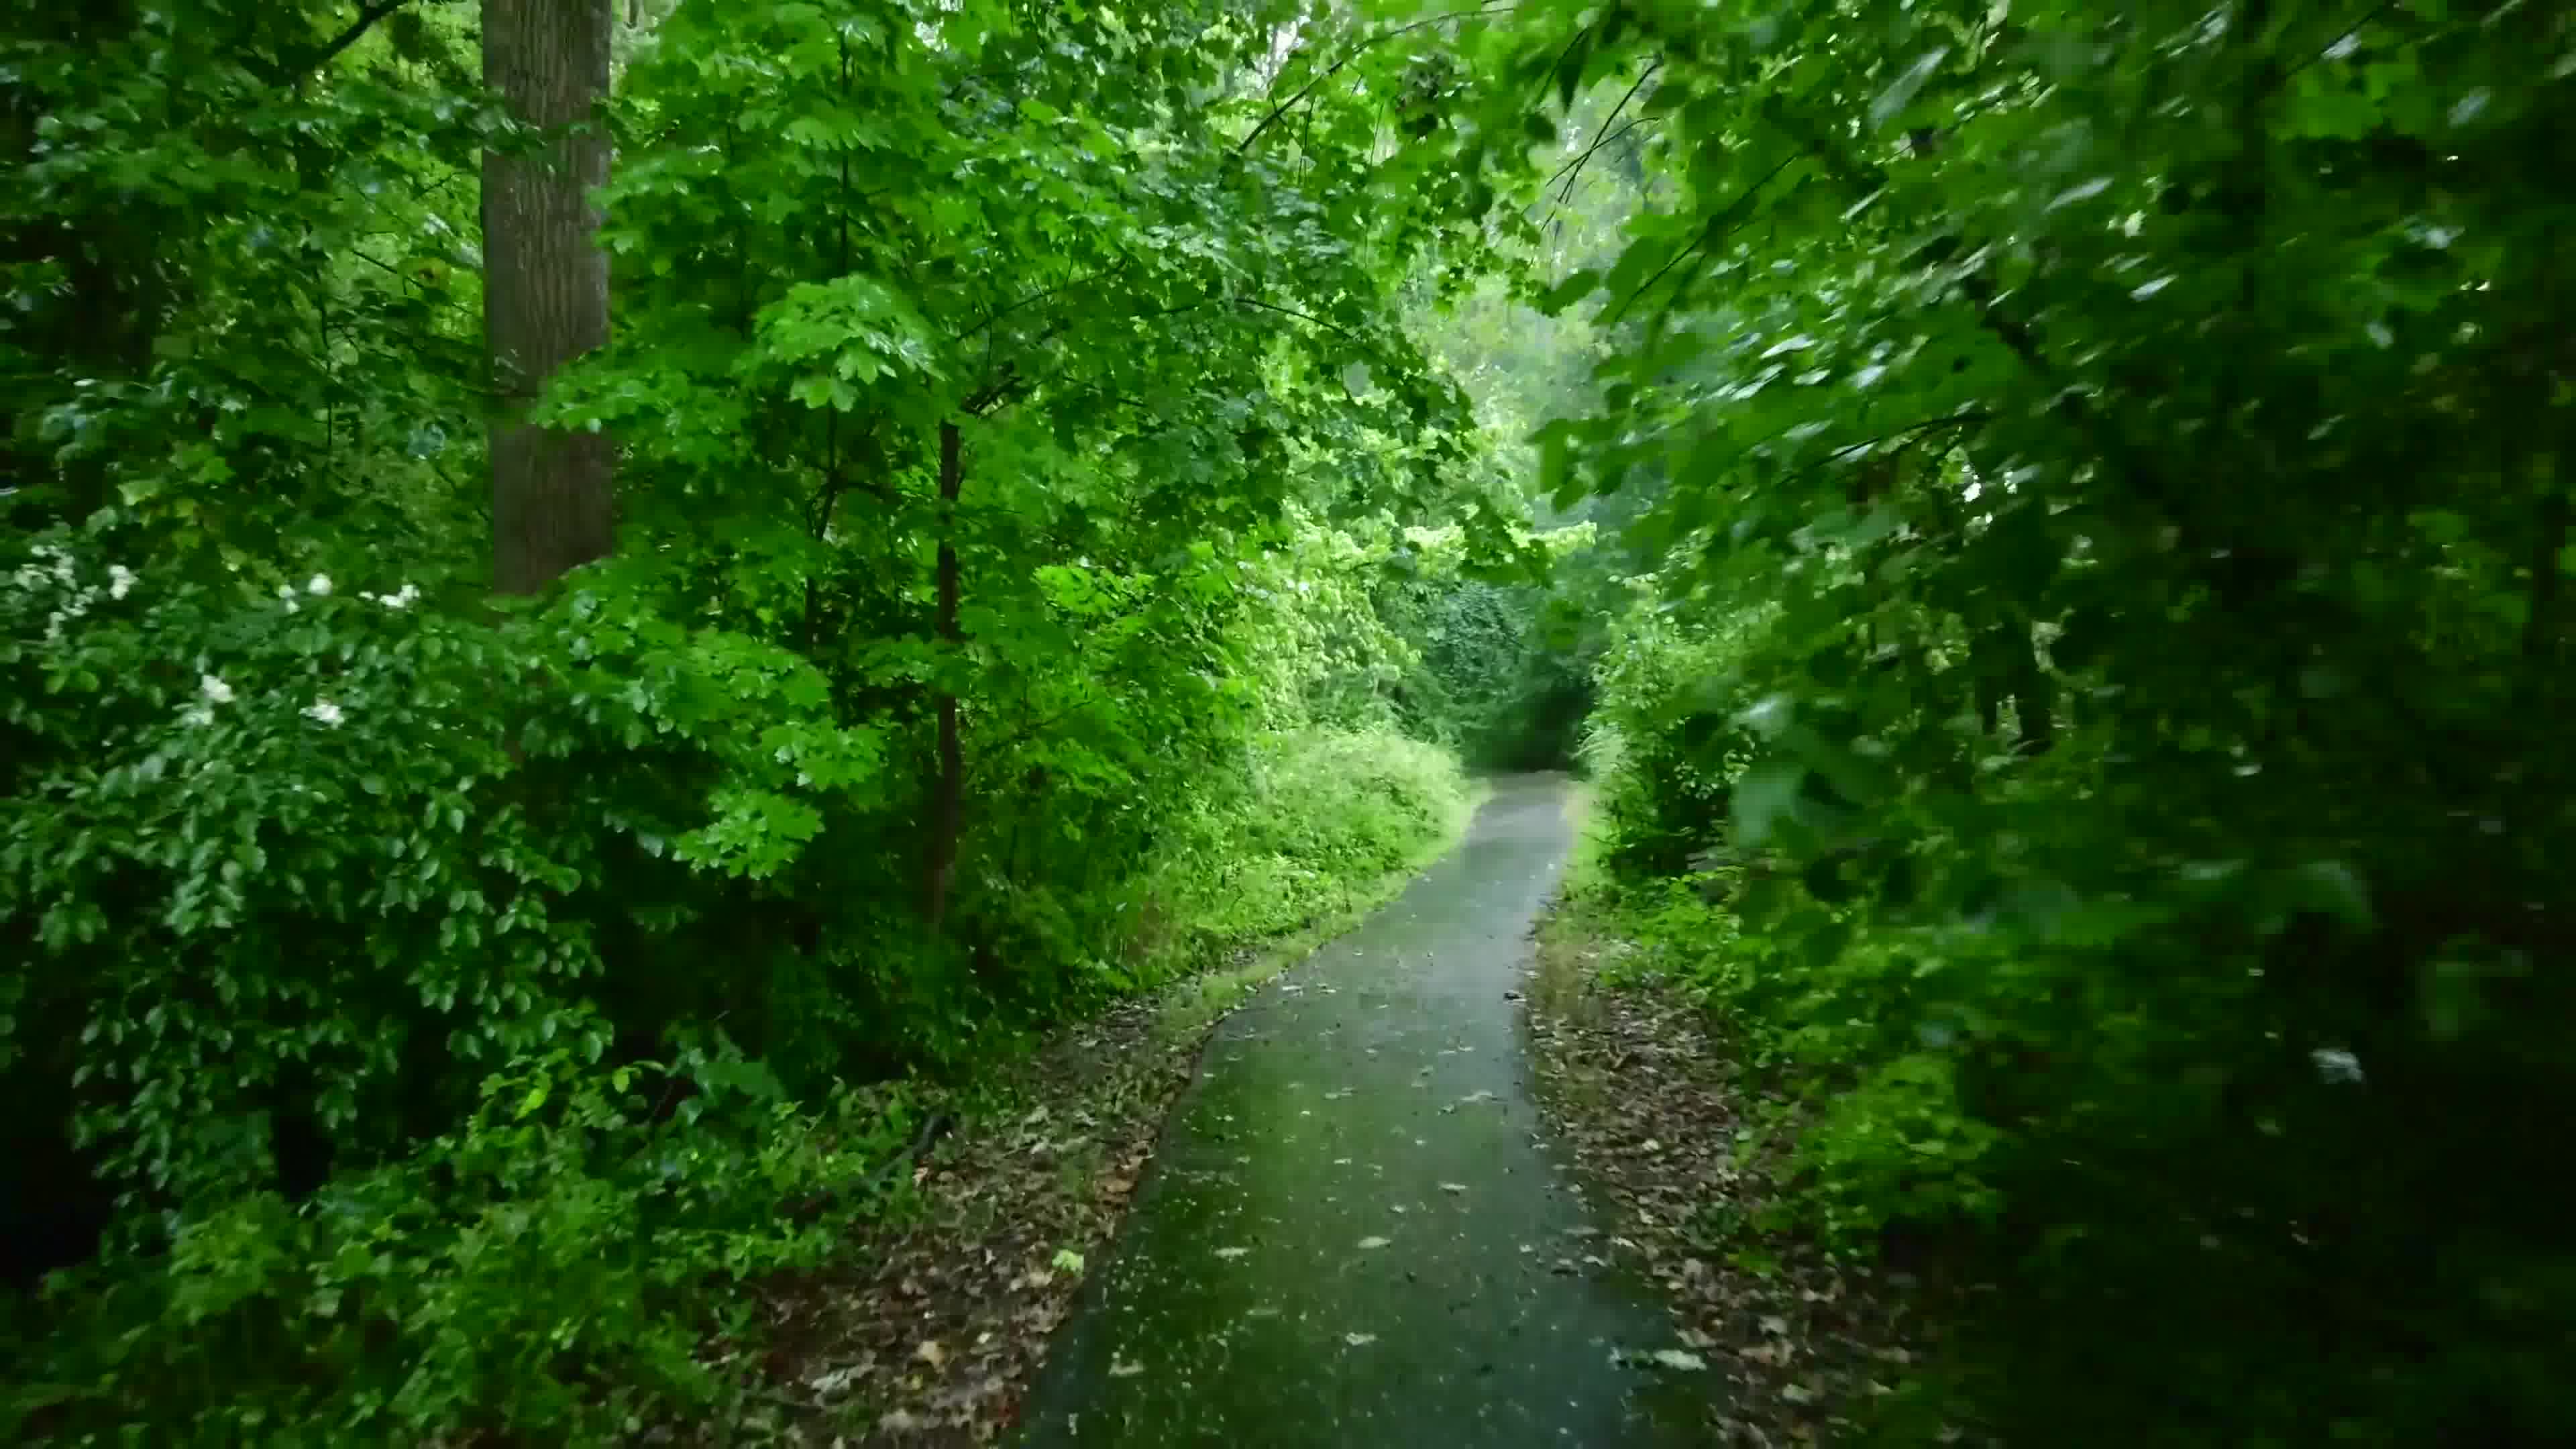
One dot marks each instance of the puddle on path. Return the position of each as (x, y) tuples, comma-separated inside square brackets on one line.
[(1354, 1232)]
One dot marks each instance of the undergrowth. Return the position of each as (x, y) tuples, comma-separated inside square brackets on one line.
[(550, 1269)]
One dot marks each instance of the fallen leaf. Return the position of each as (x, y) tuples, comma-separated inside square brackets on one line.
[(1124, 1368), (834, 1382), (1359, 1340), (1373, 1242), (931, 1353), (1230, 1254), (1674, 1358), (1453, 1187)]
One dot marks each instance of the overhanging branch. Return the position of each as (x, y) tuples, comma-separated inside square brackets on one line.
[(368, 15), (1354, 53)]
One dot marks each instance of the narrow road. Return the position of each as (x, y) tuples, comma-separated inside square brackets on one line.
[(1355, 1232)]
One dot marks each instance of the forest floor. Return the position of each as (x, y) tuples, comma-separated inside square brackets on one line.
[(1660, 1116), (930, 1330)]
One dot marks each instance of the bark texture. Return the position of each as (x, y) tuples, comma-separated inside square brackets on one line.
[(545, 283), (948, 795)]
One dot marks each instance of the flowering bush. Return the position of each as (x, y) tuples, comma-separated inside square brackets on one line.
[(299, 862)]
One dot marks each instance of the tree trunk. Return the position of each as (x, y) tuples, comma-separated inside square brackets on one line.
[(545, 283), (948, 796)]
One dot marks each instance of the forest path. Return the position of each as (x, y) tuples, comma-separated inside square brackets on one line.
[(1355, 1231)]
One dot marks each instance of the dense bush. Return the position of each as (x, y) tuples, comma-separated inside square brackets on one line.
[(1312, 816), (2092, 713), (553, 1267), (287, 862)]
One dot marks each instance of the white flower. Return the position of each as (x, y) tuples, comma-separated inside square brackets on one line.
[(398, 600), (197, 714), (318, 585), (286, 596), (325, 711), (217, 691), (120, 581)]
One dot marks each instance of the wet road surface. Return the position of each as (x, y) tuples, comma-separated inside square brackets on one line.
[(1355, 1232)]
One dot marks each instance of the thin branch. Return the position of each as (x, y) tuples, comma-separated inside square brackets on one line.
[(993, 394), (2347, 33), (1301, 316), (1717, 226), (1954, 420), (397, 273), (987, 751), (1576, 165), (367, 17), (1040, 295), (1353, 54)]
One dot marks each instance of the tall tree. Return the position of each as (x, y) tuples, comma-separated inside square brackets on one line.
[(545, 299)]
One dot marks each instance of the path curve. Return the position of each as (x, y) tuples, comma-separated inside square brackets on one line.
[(1355, 1231)]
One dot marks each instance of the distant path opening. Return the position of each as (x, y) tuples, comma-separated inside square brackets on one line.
[(1355, 1232)]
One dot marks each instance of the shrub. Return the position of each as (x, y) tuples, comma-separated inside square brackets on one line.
[(550, 1268), (1314, 815), (296, 864)]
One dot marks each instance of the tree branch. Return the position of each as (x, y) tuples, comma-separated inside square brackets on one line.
[(1962, 419), (1717, 226), (1575, 166), (368, 15), (1353, 54), (1300, 316), (1040, 295)]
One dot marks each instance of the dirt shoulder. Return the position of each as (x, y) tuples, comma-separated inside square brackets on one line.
[(1657, 1113)]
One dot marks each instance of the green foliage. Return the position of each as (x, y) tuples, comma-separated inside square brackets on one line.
[(313, 859), (548, 1268), (242, 282), (1491, 673), (195, 764), (1316, 814), (2102, 485)]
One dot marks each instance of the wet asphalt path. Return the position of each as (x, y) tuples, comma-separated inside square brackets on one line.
[(1355, 1230)]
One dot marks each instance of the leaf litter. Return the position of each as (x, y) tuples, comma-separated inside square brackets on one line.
[(930, 1328), (1792, 1341)]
